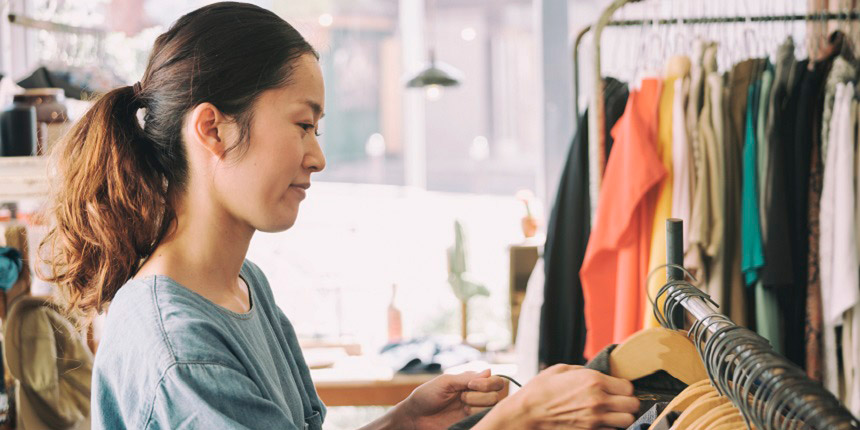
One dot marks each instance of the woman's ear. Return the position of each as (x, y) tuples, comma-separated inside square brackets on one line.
[(209, 129)]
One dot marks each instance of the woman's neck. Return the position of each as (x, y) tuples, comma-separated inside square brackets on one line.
[(204, 251)]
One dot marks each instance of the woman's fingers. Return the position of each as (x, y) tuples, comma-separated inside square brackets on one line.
[(479, 399), (625, 404), (492, 383), (617, 386)]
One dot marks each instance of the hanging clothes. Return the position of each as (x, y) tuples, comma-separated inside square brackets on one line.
[(851, 328), (778, 276), (767, 315), (850, 343), (706, 230), (562, 327), (838, 259), (616, 259), (682, 160), (695, 102), (562, 321), (677, 69), (841, 72), (784, 99), (693, 256), (806, 205), (833, 249), (752, 253), (763, 146), (741, 77)]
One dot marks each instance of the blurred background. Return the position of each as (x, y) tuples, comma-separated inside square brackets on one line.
[(424, 229)]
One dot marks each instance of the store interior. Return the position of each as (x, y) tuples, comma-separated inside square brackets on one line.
[(662, 191)]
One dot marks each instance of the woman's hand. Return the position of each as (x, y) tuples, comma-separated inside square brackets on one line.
[(566, 397), (447, 399)]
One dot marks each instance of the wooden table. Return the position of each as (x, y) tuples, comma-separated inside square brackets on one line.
[(370, 392), (379, 387)]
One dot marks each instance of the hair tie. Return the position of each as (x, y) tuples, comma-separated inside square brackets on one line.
[(136, 88)]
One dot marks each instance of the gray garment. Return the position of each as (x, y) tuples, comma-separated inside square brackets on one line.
[(841, 72), (644, 422), (170, 359), (763, 147)]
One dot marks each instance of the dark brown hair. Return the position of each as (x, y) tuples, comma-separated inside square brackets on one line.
[(111, 206)]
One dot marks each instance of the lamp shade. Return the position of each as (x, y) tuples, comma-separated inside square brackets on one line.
[(436, 73)]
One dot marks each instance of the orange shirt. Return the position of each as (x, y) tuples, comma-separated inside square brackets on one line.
[(616, 259)]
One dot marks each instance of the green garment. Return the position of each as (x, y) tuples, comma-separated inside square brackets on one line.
[(752, 251)]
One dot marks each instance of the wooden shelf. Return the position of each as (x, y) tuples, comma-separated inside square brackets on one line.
[(23, 178)]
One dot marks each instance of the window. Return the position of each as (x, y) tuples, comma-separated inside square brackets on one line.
[(480, 137), (361, 232)]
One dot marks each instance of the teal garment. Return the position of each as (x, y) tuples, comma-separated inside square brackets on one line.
[(10, 267), (171, 359), (752, 250)]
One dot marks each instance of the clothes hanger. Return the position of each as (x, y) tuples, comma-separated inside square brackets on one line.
[(708, 419), (844, 26), (736, 419), (698, 409), (655, 349), (685, 399), (651, 63)]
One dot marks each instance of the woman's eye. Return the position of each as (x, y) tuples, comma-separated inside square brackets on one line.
[(308, 128)]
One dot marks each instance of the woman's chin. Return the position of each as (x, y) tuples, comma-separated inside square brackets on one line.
[(277, 224)]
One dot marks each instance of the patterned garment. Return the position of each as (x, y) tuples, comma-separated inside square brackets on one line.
[(813, 300)]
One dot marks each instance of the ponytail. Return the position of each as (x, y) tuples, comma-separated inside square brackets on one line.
[(110, 207), (117, 179)]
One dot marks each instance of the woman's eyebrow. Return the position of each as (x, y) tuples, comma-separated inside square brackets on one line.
[(316, 107)]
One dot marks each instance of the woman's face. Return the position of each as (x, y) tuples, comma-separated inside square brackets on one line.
[(265, 184)]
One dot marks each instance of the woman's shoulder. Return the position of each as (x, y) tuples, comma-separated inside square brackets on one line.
[(132, 324), (158, 321), (176, 324), (152, 326)]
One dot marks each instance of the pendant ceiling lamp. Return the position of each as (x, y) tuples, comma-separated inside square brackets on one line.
[(436, 73)]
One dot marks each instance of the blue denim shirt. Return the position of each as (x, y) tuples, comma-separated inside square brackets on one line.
[(171, 359)]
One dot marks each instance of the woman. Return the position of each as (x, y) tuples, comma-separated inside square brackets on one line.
[(156, 220)]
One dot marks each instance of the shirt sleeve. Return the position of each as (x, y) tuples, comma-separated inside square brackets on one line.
[(213, 396)]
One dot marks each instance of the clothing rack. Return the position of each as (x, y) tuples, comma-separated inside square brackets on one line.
[(597, 117), (61, 31), (25, 21), (769, 390), (55, 27), (698, 20)]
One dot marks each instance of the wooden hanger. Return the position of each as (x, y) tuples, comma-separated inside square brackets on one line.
[(706, 421), (731, 426), (655, 349), (698, 409), (736, 420), (686, 398)]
